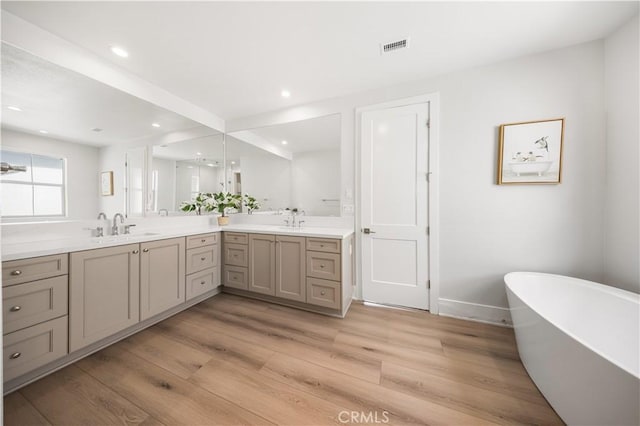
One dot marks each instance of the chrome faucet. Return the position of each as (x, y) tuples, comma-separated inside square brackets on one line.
[(114, 228), (101, 215)]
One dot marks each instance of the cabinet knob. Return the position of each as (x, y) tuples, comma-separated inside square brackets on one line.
[(203, 241), (15, 308), (145, 250), (321, 266), (322, 293), (135, 252), (321, 245), (15, 355), (16, 272), (203, 282), (202, 258)]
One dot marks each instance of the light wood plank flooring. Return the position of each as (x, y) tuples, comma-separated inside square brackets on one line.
[(231, 360)]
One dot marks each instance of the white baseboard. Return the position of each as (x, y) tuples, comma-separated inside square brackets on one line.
[(475, 312)]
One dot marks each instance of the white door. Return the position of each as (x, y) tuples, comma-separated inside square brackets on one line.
[(394, 210)]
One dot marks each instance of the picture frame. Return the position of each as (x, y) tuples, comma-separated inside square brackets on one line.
[(106, 183), (531, 152)]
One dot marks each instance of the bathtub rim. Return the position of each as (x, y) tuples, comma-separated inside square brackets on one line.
[(623, 294)]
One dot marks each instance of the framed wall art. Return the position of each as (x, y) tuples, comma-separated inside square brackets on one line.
[(106, 183), (531, 152)]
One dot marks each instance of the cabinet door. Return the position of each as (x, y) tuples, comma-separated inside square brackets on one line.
[(162, 276), (290, 268), (262, 271), (104, 291)]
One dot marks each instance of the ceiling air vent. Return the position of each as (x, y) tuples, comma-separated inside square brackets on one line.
[(392, 46)]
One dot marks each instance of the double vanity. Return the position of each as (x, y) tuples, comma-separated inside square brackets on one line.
[(64, 299)]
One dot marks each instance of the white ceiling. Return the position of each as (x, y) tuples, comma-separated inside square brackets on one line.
[(315, 134), (206, 149), (234, 58), (68, 105)]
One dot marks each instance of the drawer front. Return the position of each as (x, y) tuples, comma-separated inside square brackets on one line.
[(323, 244), (33, 347), (323, 293), (325, 266), (236, 238), (236, 277), (203, 258), (36, 268), (202, 240), (202, 282), (35, 302), (236, 255)]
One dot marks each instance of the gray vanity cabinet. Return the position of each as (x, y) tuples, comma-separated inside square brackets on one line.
[(104, 292), (262, 264), (291, 268), (162, 276)]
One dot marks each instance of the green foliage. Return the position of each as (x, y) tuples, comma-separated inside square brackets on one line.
[(251, 203), (218, 202)]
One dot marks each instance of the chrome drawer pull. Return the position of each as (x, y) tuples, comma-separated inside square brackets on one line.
[(203, 282), (321, 266), (203, 241), (202, 258), (135, 252), (15, 355), (145, 250), (15, 308), (16, 272), (322, 293)]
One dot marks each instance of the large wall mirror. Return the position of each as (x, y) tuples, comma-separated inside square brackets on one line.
[(181, 170), (63, 131), (292, 166)]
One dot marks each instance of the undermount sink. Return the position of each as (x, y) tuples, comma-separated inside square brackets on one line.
[(122, 237)]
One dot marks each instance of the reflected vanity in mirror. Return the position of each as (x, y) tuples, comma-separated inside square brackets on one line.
[(181, 170), (287, 167)]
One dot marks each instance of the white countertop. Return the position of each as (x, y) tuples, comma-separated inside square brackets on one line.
[(24, 250)]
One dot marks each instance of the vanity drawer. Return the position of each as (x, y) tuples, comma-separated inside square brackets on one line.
[(202, 282), (323, 265), (323, 293), (202, 240), (35, 302), (35, 268), (236, 238), (236, 255), (33, 347), (323, 244), (236, 277), (199, 259)]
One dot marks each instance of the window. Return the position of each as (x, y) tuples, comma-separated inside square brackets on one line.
[(39, 191)]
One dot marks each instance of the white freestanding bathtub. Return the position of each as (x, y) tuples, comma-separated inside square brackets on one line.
[(579, 342)]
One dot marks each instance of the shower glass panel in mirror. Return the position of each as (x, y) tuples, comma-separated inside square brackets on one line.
[(62, 130), (181, 170), (291, 166)]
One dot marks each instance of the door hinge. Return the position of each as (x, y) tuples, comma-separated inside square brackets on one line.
[(428, 123), (428, 284), (428, 176), (428, 230)]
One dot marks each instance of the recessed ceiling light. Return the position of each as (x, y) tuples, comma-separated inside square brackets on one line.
[(14, 108), (285, 93), (117, 50), (233, 162), (209, 164), (189, 167), (284, 142), (198, 153), (96, 129), (155, 124), (43, 132), (164, 145)]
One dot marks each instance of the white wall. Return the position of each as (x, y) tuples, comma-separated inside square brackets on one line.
[(268, 179), (315, 175), (621, 228), (166, 183), (488, 230), (82, 168)]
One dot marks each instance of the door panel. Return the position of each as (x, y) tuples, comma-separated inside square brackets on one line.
[(262, 273), (290, 268), (394, 166)]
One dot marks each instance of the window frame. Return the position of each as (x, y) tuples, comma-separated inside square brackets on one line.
[(32, 184)]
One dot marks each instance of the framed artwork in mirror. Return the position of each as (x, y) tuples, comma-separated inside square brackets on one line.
[(106, 183), (531, 152)]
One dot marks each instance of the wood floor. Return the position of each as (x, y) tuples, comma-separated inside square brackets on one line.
[(231, 360)]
